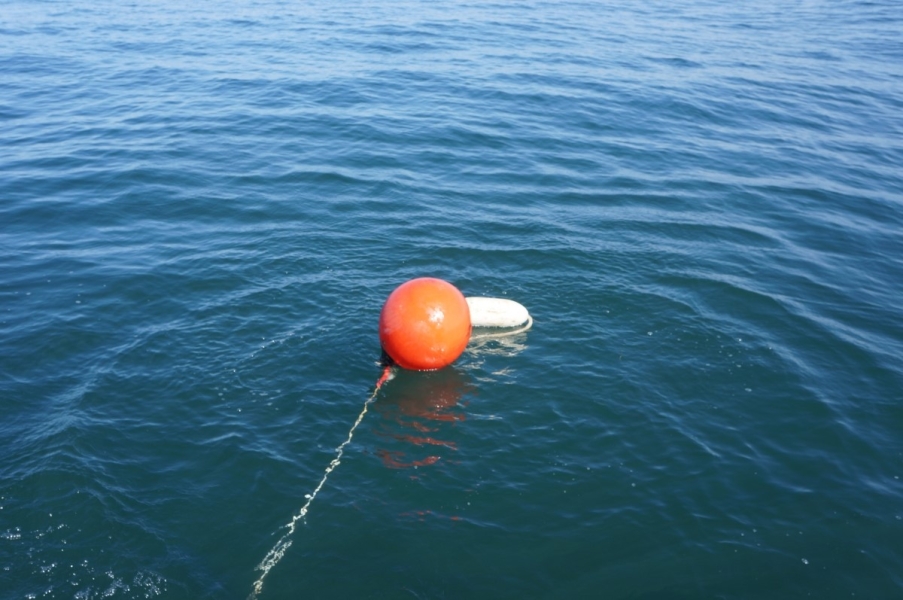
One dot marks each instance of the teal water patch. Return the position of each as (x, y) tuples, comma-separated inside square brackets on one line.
[(204, 209)]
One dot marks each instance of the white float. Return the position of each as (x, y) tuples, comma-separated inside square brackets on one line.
[(498, 313)]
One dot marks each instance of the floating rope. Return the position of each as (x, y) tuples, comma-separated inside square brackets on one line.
[(275, 554)]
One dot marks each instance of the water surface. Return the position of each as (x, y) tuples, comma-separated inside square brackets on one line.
[(204, 207)]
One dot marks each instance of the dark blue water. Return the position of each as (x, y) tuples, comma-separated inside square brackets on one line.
[(203, 207)]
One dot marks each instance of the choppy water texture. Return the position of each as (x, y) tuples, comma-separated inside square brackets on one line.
[(204, 205)]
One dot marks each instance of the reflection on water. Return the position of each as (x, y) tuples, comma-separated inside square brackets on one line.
[(417, 409), (414, 410), (490, 341)]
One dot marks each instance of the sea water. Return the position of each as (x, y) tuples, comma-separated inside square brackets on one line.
[(204, 205)]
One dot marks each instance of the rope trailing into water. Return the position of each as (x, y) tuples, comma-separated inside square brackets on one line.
[(275, 554)]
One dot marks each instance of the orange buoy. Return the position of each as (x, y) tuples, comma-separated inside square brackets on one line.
[(425, 324)]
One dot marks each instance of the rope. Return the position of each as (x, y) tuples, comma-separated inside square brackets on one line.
[(275, 554)]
